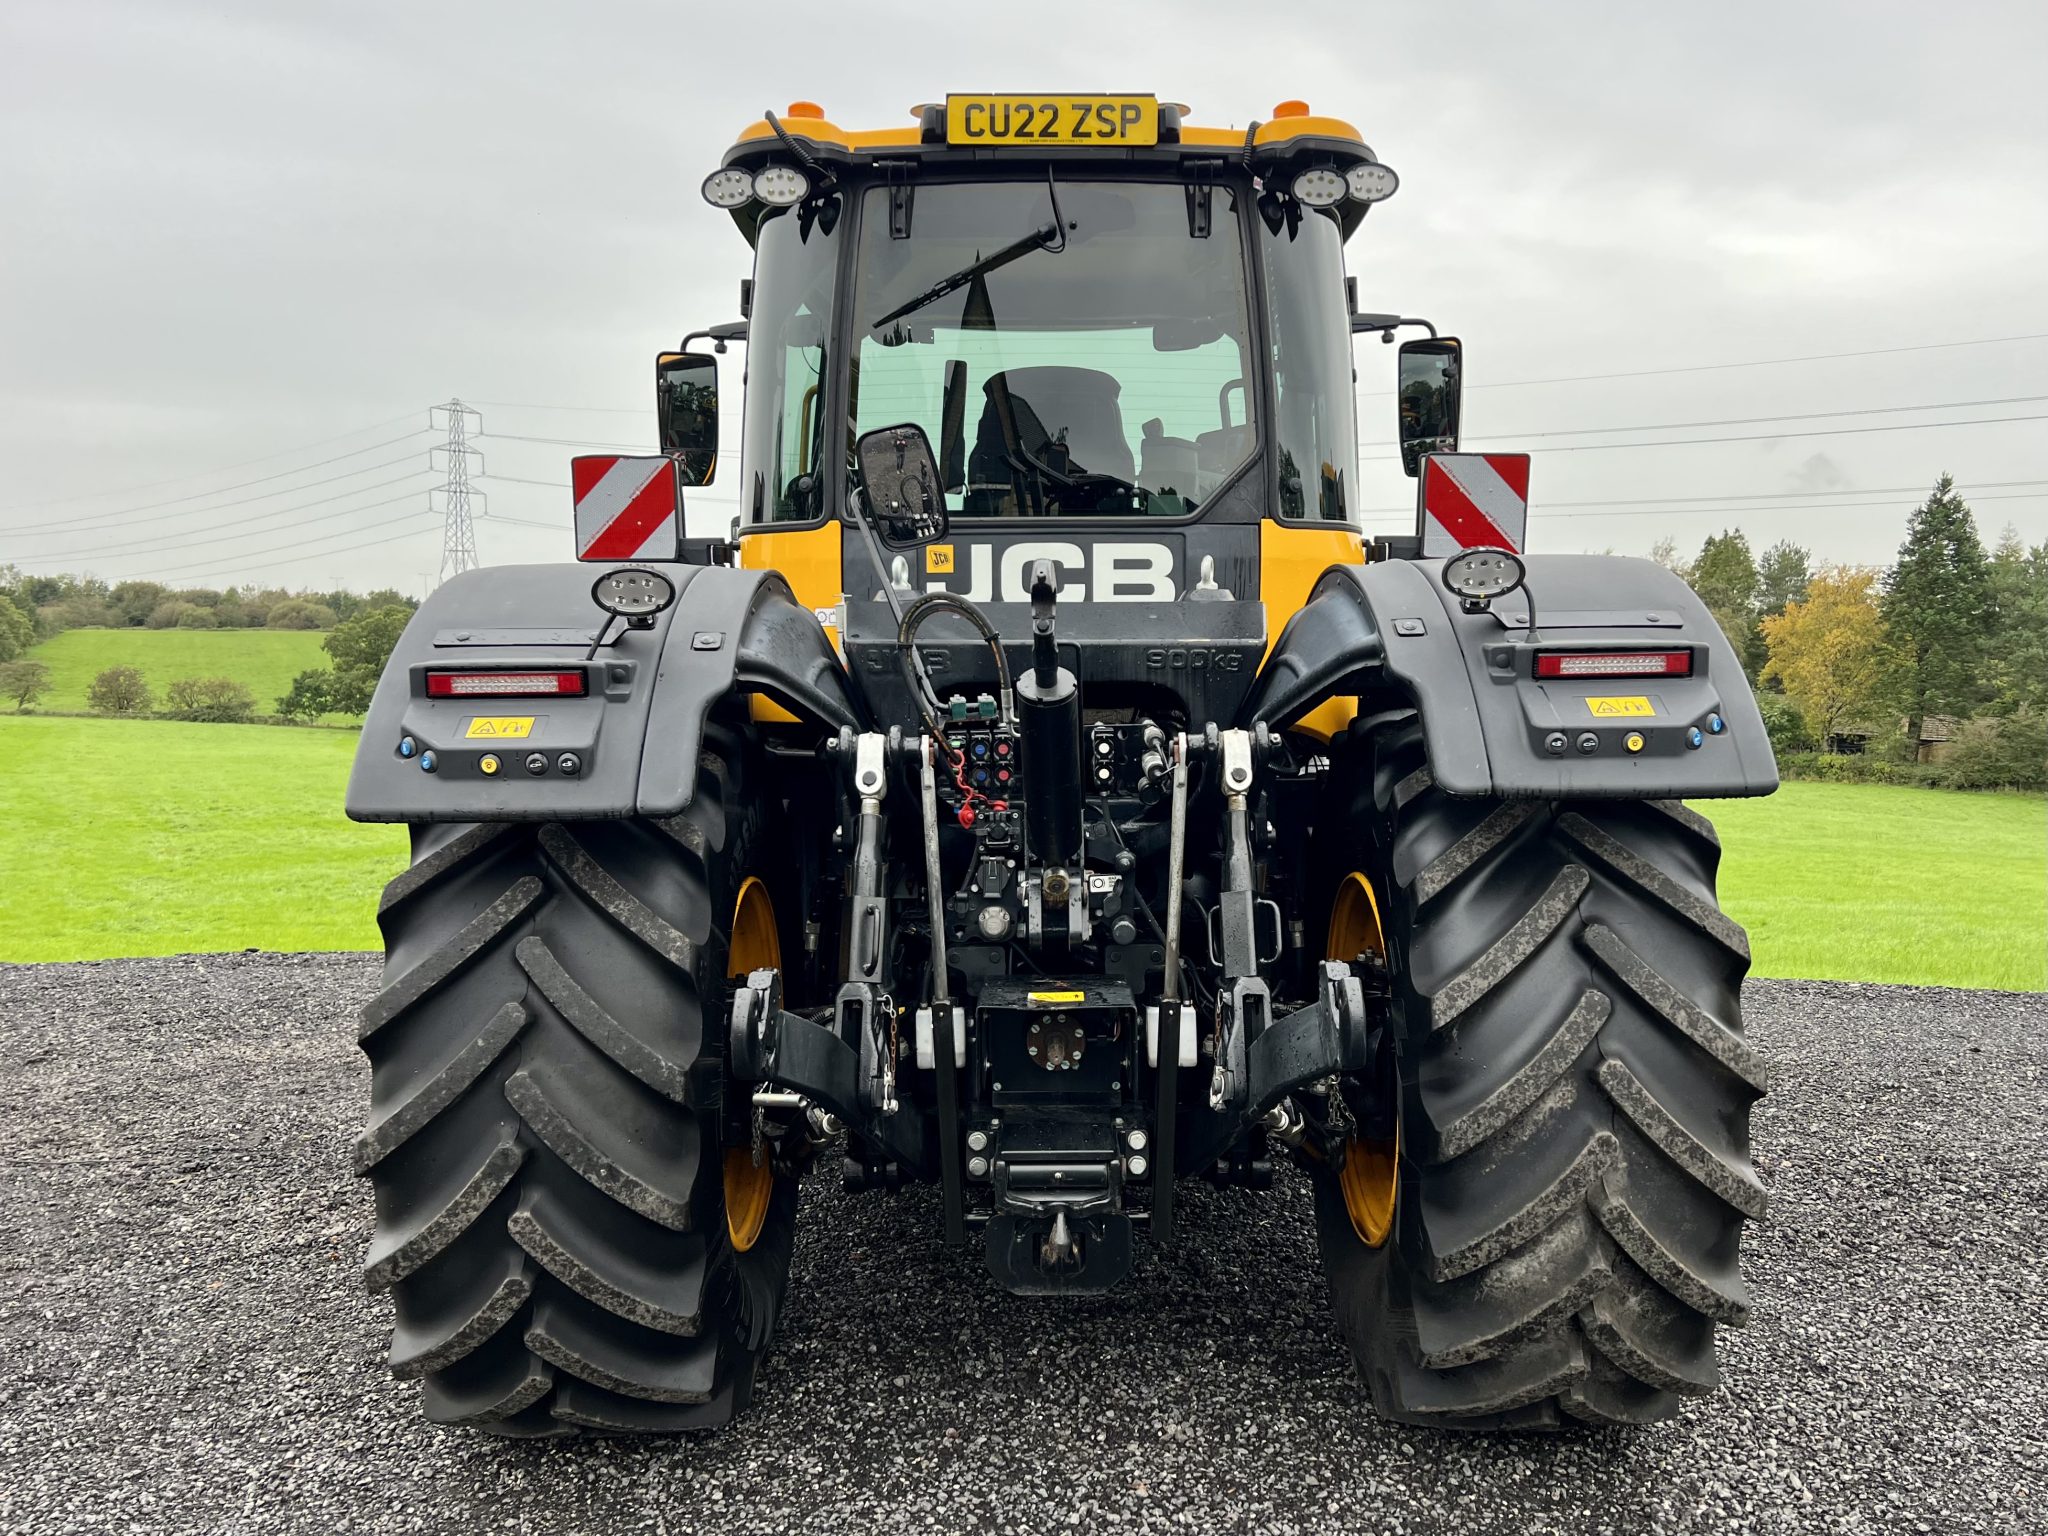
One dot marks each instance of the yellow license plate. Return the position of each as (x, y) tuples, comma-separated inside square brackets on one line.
[(500, 727), (1059, 997), (1631, 707), (1123, 121)]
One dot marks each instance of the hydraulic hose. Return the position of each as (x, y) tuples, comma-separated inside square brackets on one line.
[(914, 615)]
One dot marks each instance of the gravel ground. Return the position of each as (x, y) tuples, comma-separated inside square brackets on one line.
[(184, 1344)]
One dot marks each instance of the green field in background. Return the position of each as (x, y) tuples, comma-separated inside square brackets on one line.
[(154, 837), (262, 660), (142, 837), (1874, 882)]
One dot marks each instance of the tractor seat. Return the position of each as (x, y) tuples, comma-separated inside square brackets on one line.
[(1046, 402)]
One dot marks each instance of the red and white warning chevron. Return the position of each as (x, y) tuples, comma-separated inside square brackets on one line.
[(626, 508), (1472, 499)]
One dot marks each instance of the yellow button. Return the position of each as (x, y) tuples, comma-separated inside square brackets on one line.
[(1633, 741), (489, 761)]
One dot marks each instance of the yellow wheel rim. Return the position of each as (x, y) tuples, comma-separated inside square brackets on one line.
[(1370, 1179), (1371, 1175), (755, 943), (747, 1188), (1355, 922)]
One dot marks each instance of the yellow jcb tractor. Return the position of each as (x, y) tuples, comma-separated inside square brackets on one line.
[(1050, 795)]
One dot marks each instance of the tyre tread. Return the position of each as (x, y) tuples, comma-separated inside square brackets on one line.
[(419, 1349), (669, 1078), (544, 1134), (403, 1250), (610, 897), (1530, 1082), (1632, 866), (1672, 1005), (417, 1110), (584, 1262), (1737, 1186), (1508, 952), (1571, 1204), (434, 972), (564, 1135)]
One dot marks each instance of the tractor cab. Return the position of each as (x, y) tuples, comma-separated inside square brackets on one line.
[(1124, 337)]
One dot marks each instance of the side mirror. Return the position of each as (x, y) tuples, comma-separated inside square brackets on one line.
[(686, 402), (901, 479), (1427, 397)]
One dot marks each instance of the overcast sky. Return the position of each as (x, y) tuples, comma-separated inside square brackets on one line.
[(234, 230)]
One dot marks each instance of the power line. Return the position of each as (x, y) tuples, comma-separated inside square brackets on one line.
[(1760, 362), (346, 549), (1849, 490), (1752, 421), (1655, 510), (1858, 490), (201, 474), (1763, 437), (601, 410), (98, 518), (702, 494), (1660, 509), (1766, 362), (180, 541), (179, 570), (30, 533), (565, 442), (188, 571)]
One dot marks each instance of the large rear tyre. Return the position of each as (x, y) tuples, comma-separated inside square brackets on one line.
[(1573, 1106), (571, 1219)]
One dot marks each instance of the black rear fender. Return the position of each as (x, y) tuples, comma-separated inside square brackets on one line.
[(1389, 633), (631, 740)]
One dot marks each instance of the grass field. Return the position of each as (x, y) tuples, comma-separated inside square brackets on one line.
[(1870, 882), (150, 837), (263, 660)]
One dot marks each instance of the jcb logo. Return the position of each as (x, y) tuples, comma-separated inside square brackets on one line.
[(1108, 571)]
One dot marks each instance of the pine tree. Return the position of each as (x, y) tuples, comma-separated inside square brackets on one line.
[(1938, 610), (2017, 669), (1726, 579), (1782, 576)]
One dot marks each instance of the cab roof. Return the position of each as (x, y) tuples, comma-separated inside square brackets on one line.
[(1292, 126), (1293, 138)]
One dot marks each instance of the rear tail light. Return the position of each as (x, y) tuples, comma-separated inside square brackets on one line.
[(557, 683), (1614, 664)]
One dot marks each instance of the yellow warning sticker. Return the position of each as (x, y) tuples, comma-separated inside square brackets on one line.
[(1059, 997), (1627, 707), (938, 559), (499, 727)]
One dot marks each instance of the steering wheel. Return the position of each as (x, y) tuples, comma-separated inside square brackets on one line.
[(1024, 459)]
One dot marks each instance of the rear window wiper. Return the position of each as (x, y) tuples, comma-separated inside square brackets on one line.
[(1047, 237)]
